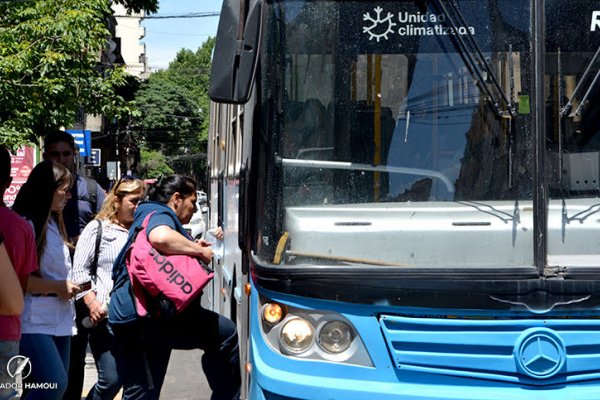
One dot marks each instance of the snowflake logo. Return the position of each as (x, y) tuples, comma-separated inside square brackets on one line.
[(378, 25)]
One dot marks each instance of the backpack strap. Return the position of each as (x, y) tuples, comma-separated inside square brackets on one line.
[(92, 189), (94, 266)]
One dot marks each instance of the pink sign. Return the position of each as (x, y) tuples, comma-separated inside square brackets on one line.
[(22, 162)]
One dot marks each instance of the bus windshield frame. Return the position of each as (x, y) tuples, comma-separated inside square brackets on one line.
[(403, 135)]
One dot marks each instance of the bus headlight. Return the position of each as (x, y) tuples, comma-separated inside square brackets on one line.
[(273, 313), (335, 337), (310, 334), (297, 335)]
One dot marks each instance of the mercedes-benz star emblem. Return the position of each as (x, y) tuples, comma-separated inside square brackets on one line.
[(19, 365), (540, 355)]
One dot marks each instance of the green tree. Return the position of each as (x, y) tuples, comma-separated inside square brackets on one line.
[(49, 65), (170, 118), (153, 163), (174, 111), (149, 6), (192, 70)]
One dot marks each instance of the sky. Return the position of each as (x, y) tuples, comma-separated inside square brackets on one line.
[(165, 37)]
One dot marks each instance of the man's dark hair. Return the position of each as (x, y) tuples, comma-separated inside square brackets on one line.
[(4, 164), (58, 136)]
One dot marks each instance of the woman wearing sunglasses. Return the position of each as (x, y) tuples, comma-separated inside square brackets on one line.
[(95, 277)]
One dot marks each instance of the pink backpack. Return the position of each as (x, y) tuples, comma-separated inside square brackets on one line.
[(156, 277)]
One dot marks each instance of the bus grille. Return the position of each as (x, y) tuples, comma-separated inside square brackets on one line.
[(527, 351)]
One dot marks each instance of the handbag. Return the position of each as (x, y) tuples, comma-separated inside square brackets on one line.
[(81, 310), (162, 284)]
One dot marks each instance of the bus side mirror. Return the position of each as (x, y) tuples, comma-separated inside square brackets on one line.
[(236, 50)]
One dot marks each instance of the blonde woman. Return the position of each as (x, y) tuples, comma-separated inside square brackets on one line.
[(115, 217), (47, 320)]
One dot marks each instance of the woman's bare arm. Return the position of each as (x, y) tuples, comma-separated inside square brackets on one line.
[(11, 293)]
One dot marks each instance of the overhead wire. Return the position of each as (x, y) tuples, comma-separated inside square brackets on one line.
[(189, 15)]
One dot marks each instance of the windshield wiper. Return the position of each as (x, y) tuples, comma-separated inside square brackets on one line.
[(341, 259), (580, 217), (567, 107), (503, 216), (473, 63)]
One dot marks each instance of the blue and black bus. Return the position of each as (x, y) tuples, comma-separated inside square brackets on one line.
[(410, 194)]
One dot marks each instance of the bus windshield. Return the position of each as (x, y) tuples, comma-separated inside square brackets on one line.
[(403, 131), (572, 89)]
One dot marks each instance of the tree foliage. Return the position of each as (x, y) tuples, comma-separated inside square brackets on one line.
[(192, 70), (174, 105), (149, 6), (49, 65), (153, 164), (170, 117)]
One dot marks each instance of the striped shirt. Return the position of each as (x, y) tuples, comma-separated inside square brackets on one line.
[(113, 239)]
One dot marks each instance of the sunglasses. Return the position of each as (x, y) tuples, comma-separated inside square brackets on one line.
[(124, 178)]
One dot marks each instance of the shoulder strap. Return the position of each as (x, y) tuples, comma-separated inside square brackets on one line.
[(147, 219), (94, 266), (92, 188), (138, 229)]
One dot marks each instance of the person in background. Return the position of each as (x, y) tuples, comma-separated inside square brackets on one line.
[(85, 202), (19, 243), (143, 346), (116, 216), (87, 195), (47, 320)]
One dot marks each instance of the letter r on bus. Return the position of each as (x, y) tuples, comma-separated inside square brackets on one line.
[(595, 21)]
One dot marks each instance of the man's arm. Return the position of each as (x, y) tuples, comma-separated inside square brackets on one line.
[(169, 241)]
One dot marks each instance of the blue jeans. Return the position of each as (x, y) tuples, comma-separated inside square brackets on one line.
[(101, 344), (49, 356), (100, 340), (8, 349), (79, 344), (143, 350)]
